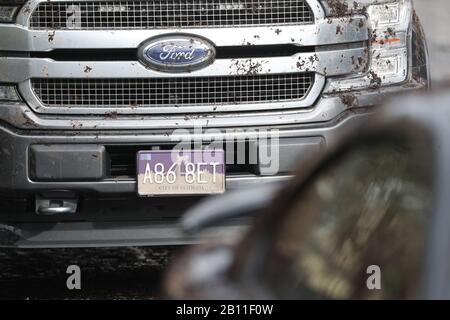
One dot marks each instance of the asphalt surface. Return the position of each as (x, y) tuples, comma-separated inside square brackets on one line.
[(129, 273), (106, 273)]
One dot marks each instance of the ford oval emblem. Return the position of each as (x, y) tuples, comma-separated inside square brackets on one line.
[(177, 53)]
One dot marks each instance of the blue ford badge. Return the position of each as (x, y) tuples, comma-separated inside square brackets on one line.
[(177, 53)]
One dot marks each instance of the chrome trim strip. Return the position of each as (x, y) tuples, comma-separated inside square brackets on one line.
[(19, 37), (324, 63), (324, 110)]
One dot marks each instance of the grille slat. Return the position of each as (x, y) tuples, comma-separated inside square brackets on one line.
[(164, 14), (172, 92)]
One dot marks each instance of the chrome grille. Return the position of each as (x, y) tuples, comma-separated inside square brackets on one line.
[(162, 14), (172, 92)]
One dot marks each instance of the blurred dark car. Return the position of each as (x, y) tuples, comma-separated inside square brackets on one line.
[(378, 201)]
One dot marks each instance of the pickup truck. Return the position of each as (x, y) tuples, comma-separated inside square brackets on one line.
[(116, 116)]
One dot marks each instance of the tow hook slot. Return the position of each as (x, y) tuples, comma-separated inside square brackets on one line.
[(52, 206)]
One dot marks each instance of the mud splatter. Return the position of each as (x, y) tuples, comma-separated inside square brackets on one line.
[(375, 80), (349, 100), (51, 36)]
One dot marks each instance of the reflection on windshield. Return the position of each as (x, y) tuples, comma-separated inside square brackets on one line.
[(368, 208)]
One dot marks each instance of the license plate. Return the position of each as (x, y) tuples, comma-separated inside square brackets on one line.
[(186, 172)]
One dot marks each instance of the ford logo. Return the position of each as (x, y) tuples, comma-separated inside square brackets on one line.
[(177, 53)]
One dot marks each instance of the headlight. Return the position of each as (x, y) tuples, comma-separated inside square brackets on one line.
[(9, 9), (385, 14), (9, 93), (390, 25), (389, 43)]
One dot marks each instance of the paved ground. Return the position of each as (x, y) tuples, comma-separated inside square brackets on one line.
[(116, 273), (135, 272)]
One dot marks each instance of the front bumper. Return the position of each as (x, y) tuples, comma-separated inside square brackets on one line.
[(109, 212)]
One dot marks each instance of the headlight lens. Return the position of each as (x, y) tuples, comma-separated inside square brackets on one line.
[(390, 23), (382, 15), (9, 93), (391, 66)]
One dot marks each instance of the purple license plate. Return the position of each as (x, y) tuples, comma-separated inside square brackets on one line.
[(180, 172)]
